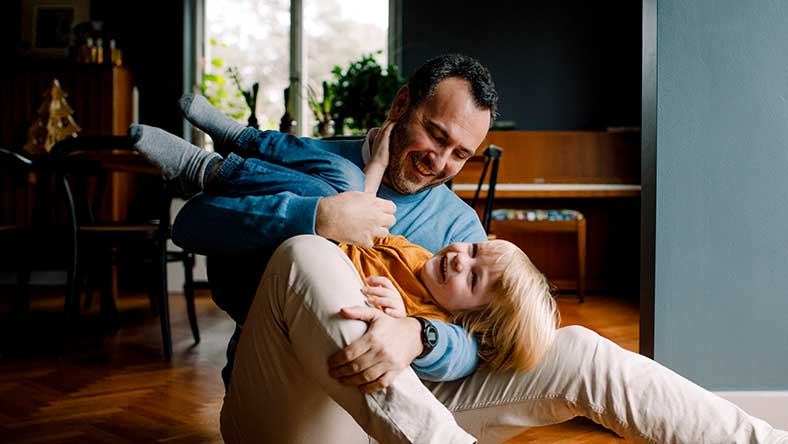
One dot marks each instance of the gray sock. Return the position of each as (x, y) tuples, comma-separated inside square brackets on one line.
[(222, 129), (185, 164)]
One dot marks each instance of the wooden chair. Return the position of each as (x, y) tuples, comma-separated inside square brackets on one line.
[(33, 238), (536, 220), (15, 229), (84, 166)]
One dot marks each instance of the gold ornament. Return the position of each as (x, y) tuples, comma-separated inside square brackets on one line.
[(53, 123)]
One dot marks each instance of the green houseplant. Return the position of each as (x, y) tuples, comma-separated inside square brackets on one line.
[(216, 89), (250, 95), (363, 93), (322, 108)]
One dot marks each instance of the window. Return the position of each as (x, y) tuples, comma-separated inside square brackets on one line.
[(255, 37)]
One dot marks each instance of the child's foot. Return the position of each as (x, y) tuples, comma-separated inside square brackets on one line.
[(222, 129), (185, 164)]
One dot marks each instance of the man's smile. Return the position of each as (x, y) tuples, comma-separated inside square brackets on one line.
[(421, 167)]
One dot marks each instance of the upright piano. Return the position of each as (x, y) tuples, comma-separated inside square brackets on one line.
[(595, 172)]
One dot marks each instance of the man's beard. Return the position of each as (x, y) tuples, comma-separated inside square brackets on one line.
[(395, 173)]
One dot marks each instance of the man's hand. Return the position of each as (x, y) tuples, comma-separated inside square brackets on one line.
[(382, 293), (373, 361), (354, 217)]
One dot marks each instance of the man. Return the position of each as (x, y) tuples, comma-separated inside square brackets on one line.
[(423, 157), (441, 117)]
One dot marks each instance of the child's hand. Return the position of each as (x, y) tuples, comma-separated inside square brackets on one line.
[(379, 158), (382, 293), (379, 151)]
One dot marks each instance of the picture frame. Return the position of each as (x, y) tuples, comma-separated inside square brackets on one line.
[(47, 25)]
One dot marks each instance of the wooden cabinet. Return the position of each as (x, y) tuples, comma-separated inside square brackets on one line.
[(100, 95)]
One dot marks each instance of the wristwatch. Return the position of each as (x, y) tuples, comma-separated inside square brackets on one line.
[(429, 336)]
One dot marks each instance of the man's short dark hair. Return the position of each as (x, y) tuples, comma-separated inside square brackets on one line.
[(421, 84)]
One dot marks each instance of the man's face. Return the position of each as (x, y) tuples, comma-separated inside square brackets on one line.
[(431, 143)]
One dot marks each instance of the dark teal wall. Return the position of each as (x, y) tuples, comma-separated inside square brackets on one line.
[(721, 305), (558, 65)]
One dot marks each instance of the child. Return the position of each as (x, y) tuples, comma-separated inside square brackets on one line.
[(491, 289)]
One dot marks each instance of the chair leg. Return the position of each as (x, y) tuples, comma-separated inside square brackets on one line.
[(164, 305), (107, 306), (22, 302), (88, 299), (72, 287), (581, 259), (154, 310), (88, 285), (188, 292)]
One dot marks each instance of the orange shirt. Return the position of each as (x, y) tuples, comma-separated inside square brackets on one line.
[(401, 261)]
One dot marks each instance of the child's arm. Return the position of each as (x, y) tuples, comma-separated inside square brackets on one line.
[(379, 159), (382, 293)]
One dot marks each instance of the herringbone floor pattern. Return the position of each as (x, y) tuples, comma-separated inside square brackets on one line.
[(102, 384)]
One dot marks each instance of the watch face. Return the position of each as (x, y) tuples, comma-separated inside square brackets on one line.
[(431, 334)]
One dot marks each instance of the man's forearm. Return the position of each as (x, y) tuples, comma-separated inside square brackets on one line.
[(454, 356)]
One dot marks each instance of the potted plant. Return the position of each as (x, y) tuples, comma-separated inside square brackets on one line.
[(250, 96), (322, 110), (363, 93), (214, 87)]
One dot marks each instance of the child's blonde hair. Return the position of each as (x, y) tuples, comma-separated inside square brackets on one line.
[(518, 326)]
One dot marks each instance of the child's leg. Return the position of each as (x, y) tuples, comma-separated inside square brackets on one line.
[(191, 167), (244, 177), (179, 161), (293, 153), (272, 146)]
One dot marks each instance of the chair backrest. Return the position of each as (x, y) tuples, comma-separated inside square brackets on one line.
[(14, 189), (33, 222), (492, 155), (10, 159), (26, 191), (84, 166)]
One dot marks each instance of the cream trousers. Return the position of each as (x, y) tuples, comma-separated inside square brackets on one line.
[(281, 391)]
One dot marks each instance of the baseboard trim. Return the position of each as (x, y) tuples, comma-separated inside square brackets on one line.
[(771, 406)]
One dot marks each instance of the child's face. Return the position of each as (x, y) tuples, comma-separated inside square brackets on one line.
[(461, 276)]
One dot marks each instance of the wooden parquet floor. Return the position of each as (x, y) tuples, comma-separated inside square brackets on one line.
[(100, 384)]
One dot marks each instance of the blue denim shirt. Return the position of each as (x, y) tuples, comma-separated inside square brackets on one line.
[(252, 226)]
